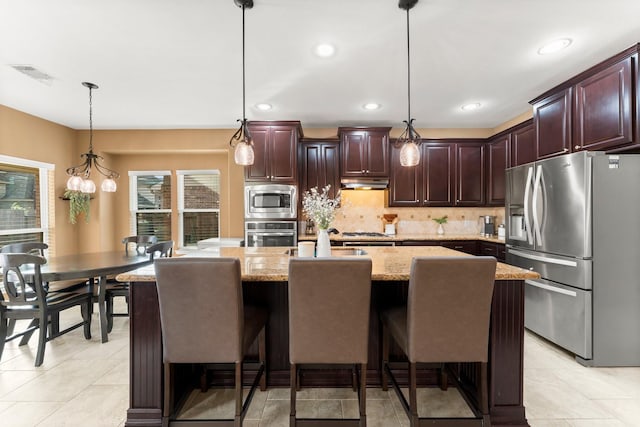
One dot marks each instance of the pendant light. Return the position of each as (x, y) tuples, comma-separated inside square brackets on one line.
[(409, 140), (80, 175), (241, 140)]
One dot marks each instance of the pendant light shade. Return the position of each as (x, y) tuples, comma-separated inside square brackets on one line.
[(409, 141), (80, 176), (241, 140)]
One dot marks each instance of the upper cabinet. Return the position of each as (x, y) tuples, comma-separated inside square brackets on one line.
[(595, 110), (320, 165), (450, 173), (275, 146), (498, 149), (364, 152), (523, 146)]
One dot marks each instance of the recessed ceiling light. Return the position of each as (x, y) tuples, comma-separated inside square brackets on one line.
[(325, 50), (472, 106), (264, 106), (371, 106), (554, 46)]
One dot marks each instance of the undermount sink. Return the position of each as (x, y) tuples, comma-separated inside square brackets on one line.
[(335, 251)]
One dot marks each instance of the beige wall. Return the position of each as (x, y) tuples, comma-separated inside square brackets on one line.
[(29, 137)]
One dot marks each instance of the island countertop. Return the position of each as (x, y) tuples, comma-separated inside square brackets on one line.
[(270, 264)]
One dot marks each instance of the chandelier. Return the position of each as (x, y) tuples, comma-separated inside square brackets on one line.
[(409, 140), (80, 176), (241, 140)]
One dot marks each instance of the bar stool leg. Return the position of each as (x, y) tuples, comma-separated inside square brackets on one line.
[(385, 357), (238, 417), (262, 356), (363, 395), (413, 401), (293, 385)]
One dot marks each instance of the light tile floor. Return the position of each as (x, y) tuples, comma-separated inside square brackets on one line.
[(85, 383)]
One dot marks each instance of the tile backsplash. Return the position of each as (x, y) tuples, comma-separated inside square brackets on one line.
[(363, 210)]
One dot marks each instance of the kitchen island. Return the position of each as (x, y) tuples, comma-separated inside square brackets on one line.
[(264, 275)]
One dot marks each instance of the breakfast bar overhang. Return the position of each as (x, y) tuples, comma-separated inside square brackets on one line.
[(264, 275)]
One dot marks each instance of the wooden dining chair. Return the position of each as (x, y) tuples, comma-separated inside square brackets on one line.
[(114, 289), (446, 319), (22, 299), (329, 306), (205, 321)]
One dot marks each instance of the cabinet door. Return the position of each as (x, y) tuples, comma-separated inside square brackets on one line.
[(470, 166), (438, 163), (497, 163), (552, 119), (320, 167), (354, 153), (523, 145), (603, 106), (405, 183), (283, 154), (259, 170), (377, 146)]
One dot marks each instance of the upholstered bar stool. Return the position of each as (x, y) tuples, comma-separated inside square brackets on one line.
[(204, 321), (329, 305), (446, 319)]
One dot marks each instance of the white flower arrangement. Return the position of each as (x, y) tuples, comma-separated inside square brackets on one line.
[(319, 207)]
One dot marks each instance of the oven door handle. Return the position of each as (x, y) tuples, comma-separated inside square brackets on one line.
[(250, 233)]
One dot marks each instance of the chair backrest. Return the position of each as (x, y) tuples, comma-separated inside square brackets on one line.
[(33, 248), (201, 309), (329, 305), (161, 250), (449, 308), (141, 243), (18, 290)]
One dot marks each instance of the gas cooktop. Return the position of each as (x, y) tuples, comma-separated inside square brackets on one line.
[(363, 233)]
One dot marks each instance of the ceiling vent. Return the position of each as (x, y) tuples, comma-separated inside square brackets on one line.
[(33, 72)]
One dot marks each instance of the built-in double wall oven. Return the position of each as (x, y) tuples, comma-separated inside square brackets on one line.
[(270, 215)]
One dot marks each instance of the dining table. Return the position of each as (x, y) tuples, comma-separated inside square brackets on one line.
[(95, 267)]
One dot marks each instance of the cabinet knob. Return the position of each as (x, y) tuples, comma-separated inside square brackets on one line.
[(363, 171), (564, 150), (577, 147)]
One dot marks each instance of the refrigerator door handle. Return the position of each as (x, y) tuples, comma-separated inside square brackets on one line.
[(527, 221), (551, 288), (541, 258), (534, 210)]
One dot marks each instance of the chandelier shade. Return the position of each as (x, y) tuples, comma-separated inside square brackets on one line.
[(241, 140), (80, 175)]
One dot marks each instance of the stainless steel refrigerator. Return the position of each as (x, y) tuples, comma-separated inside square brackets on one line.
[(575, 219)]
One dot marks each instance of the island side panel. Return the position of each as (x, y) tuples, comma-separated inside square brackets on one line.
[(145, 366), (507, 354)]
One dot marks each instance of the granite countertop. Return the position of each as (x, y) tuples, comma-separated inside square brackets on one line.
[(389, 263), (400, 237)]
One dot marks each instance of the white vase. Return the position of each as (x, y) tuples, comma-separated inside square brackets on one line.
[(323, 248), (440, 229)]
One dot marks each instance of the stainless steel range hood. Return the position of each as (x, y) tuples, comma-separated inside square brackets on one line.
[(364, 183)]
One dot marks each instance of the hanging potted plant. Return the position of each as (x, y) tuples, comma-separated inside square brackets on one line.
[(78, 204)]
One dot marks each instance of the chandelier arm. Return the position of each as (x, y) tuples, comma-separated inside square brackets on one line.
[(109, 173)]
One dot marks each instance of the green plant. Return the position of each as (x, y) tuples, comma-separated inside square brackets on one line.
[(78, 203), (442, 220)]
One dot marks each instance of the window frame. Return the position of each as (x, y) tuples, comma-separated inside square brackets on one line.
[(45, 195), (180, 174), (133, 198)]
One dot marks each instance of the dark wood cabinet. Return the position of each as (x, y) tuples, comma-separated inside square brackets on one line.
[(364, 152), (493, 249), (523, 144), (275, 146), (466, 246), (552, 119), (603, 108), (320, 160), (449, 174), (470, 173), (497, 162)]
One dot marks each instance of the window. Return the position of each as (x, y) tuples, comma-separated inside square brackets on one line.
[(198, 205), (24, 200), (150, 203)]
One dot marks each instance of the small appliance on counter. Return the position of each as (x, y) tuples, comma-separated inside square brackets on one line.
[(487, 225), (389, 222)]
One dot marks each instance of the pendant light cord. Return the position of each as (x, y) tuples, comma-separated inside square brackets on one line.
[(244, 116), (408, 74), (90, 121)]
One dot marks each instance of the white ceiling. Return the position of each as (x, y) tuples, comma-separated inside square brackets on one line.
[(177, 64)]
